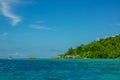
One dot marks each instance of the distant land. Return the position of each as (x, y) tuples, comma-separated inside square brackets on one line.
[(103, 48)]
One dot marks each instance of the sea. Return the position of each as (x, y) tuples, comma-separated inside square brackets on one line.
[(60, 69)]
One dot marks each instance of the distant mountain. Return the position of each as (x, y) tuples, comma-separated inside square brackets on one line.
[(103, 48)]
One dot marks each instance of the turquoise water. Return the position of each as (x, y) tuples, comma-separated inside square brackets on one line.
[(60, 69)]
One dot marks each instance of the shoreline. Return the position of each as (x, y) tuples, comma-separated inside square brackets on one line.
[(65, 59)]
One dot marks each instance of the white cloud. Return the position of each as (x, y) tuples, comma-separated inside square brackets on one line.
[(6, 11), (41, 27)]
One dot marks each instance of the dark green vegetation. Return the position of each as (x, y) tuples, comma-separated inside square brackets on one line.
[(103, 48)]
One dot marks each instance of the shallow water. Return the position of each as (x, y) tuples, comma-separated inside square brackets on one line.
[(60, 69)]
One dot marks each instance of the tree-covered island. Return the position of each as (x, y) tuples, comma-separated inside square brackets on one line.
[(103, 48)]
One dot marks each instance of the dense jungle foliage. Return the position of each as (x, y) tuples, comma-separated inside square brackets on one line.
[(103, 48)]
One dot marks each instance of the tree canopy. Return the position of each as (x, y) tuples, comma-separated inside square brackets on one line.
[(103, 48)]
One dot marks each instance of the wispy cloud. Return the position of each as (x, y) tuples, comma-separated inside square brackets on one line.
[(16, 54), (7, 12), (41, 27), (118, 24), (5, 34)]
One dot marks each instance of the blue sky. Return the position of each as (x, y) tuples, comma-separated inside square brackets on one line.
[(49, 27)]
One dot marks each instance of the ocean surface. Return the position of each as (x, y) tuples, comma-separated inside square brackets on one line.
[(60, 69)]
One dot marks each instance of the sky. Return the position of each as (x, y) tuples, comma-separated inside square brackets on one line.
[(45, 28)]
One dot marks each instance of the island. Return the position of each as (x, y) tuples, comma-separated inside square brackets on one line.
[(108, 47), (32, 57)]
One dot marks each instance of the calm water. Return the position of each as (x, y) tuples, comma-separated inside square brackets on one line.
[(60, 69)]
